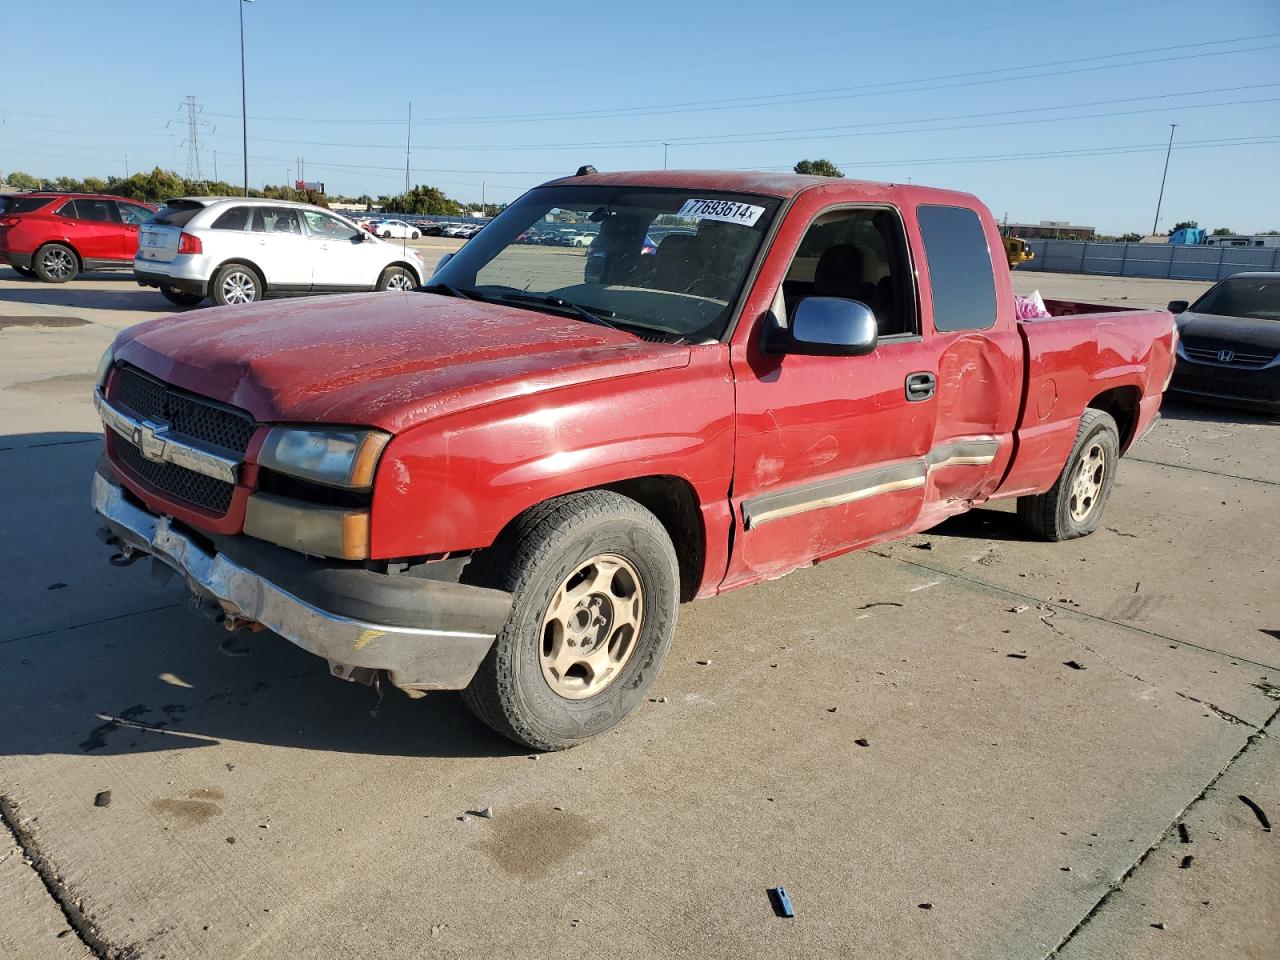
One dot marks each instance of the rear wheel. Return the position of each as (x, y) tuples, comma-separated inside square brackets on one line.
[(386, 234), (396, 278), (179, 298), (236, 283), (1073, 506), (55, 263), (595, 584), (415, 235)]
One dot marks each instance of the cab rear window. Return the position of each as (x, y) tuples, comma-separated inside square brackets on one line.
[(177, 212)]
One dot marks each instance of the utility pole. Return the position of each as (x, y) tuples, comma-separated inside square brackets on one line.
[(408, 139), (482, 198), (1172, 127), (244, 100), (664, 154), (215, 167), (126, 166)]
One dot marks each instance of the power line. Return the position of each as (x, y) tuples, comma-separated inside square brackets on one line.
[(994, 75)]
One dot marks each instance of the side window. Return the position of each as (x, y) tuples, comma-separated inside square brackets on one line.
[(276, 220), (324, 227), (133, 212), (99, 211), (857, 254), (236, 218), (68, 210), (964, 290)]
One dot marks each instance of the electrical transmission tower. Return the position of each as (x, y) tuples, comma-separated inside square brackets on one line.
[(194, 123)]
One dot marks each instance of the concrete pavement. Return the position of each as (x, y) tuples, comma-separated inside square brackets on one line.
[(1038, 720)]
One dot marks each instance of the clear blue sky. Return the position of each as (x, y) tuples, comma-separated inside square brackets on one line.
[(1047, 109)]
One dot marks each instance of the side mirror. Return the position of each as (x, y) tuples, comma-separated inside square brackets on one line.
[(440, 265), (825, 327), (1177, 306)]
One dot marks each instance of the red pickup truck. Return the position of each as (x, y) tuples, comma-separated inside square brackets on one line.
[(506, 481)]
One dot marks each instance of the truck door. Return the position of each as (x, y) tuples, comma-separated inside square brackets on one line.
[(832, 452), (979, 351)]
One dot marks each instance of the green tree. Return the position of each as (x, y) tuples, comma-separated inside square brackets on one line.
[(1222, 231), (818, 168), (1190, 224), (1131, 238), (422, 199), (23, 181)]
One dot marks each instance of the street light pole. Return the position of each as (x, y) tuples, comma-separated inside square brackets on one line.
[(664, 154), (244, 100), (1172, 127)]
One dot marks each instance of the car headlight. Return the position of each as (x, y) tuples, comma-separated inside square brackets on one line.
[(104, 367), (336, 457)]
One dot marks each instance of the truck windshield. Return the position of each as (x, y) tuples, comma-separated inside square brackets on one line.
[(666, 261), (1255, 297)]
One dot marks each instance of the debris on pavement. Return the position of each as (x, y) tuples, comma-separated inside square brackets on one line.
[(1184, 835), (927, 545), (863, 742), (1020, 608), (832, 709), (704, 663), (486, 812), (1073, 664), (1158, 926), (1186, 862), (56, 586), (879, 603), (1257, 812), (103, 799), (781, 902), (1016, 656), (925, 906)]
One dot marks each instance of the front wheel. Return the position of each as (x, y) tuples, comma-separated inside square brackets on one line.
[(1073, 506), (55, 263), (415, 235), (386, 234), (236, 283), (595, 585), (180, 299), (396, 278)]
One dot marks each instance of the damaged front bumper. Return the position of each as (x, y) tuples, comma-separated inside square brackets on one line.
[(424, 634)]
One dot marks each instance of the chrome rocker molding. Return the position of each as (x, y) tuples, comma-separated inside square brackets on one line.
[(154, 443), (867, 483), (346, 643)]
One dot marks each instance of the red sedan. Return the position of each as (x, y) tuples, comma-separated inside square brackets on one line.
[(55, 236)]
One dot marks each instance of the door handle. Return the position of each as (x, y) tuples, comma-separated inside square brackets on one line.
[(921, 386)]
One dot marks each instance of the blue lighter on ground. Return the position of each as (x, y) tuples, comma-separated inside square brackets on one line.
[(781, 902)]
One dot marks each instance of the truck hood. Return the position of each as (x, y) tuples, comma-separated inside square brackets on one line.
[(386, 360)]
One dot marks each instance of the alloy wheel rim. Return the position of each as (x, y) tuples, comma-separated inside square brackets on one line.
[(1086, 482), (58, 263), (399, 282), (239, 287), (591, 627)]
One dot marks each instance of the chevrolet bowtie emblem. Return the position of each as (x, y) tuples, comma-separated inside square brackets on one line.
[(150, 439)]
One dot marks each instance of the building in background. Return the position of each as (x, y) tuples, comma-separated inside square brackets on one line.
[(1048, 230)]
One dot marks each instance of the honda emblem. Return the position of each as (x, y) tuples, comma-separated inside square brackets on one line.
[(1226, 356)]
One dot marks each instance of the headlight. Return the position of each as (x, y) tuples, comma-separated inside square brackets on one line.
[(104, 367), (336, 457)]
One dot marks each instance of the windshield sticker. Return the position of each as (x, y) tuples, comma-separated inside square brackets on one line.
[(729, 211)]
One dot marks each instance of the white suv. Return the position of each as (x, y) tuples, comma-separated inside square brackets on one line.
[(238, 250)]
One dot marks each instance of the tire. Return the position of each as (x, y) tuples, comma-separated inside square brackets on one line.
[(386, 234), (180, 299), (397, 278), (236, 283), (415, 235), (1073, 506), (55, 263), (25, 271), (582, 539)]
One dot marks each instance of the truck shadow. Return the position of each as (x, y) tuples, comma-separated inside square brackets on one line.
[(96, 660), (126, 295)]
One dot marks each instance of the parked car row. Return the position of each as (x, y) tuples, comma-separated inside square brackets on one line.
[(558, 237), (226, 249)]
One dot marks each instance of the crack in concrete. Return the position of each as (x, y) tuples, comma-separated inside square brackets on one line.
[(1047, 620), (92, 623), (72, 908), (1072, 610), (1212, 473), (1223, 714), (1115, 885)]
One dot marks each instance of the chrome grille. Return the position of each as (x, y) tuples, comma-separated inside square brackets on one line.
[(178, 482), (1226, 355), (187, 415)]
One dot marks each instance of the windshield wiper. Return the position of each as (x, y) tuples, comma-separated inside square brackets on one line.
[(452, 291), (594, 315)]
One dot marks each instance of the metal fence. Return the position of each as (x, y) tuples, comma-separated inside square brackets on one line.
[(1164, 260)]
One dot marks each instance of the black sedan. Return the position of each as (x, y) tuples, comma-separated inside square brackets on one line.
[(1229, 347)]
